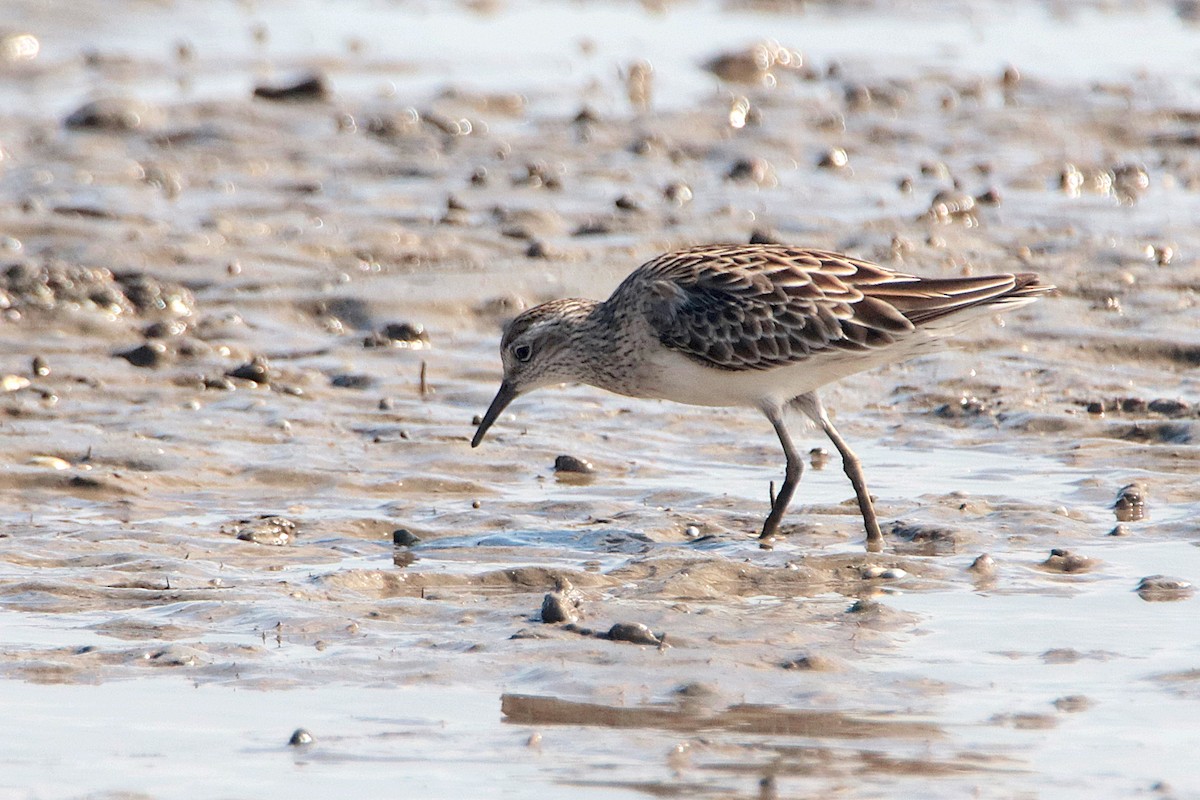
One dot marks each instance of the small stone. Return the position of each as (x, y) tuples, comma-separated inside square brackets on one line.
[(754, 170), (834, 158), (678, 193), (1119, 530), (989, 198), (1133, 405), (1169, 408), (983, 565), (113, 114), (301, 738), (1065, 561), (150, 355), (627, 203), (559, 607), (351, 381), (572, 464), (39, 367), (256, 370), (691, 532), (307, 88), (164, 329), (1130, 505), (634, 632), (403, 537)]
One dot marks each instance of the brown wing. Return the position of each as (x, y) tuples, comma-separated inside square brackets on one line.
[(741, 307)]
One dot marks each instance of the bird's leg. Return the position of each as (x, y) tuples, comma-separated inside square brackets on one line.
[(791, 477), (810, 404)]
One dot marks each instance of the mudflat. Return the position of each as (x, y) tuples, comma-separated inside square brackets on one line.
[(254, 265)]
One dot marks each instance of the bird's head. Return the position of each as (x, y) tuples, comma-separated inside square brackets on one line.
[(536, 351)]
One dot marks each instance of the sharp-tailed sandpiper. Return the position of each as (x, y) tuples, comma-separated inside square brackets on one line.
[(763, 326)]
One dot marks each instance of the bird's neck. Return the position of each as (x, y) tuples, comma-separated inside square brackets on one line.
[(600, 338)]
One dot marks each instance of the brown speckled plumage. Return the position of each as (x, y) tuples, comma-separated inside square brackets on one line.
[(763, 306)]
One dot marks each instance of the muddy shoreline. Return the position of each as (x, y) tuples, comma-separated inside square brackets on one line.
[(243, 338)]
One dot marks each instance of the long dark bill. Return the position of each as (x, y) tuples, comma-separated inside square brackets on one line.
[(505, 395)]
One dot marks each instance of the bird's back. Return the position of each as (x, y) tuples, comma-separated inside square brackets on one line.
[(760, 307)]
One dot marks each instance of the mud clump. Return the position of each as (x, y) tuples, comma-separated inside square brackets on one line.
[(1164, 589), (399, 334), (1067, 562), (267, 529)]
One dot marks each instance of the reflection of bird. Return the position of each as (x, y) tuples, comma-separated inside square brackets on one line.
[(747, 325)]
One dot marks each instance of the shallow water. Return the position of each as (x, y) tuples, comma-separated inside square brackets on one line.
[(147, 650)]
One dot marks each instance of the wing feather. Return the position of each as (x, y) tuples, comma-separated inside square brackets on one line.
[(757, 307)]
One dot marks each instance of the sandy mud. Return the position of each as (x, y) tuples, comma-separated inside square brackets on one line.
[(254, 263)]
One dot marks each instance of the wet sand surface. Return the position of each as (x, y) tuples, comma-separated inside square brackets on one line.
[(244, 335)]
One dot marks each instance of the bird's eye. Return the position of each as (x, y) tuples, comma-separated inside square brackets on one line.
[(523, 352)]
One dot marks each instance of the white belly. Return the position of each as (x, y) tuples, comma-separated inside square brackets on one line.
[(670, 375)]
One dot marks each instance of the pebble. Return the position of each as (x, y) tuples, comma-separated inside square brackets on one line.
[(14, 383), (351, 381), (1170, 408), (403, 537), (411, 335), (113, 114), (39, 367), (1065, 561), (753, 170), (560, 607), (164, 329), (677, 192), (634, 632), (983, 564), (307, 88), (566, 463), (301, 738), (834, 158), (150, 355), (1130, 505), (257, 370)]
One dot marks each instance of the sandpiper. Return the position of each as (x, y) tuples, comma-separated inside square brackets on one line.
[(762, 326)]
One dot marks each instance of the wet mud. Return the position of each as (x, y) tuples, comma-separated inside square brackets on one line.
[(253, 273)]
